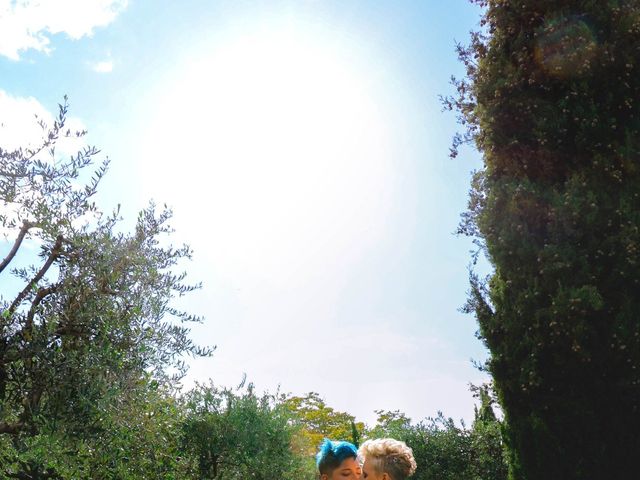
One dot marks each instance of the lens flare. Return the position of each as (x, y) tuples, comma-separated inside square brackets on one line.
[(565, 47)]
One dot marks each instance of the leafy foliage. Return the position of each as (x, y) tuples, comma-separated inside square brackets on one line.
[(91, 325), (446, 451), (551, 100), (317, 421), (238, 435)]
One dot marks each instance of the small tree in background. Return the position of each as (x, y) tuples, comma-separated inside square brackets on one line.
[(390, 424), (551, 101), (489, 453), (316, 421), (239, 435)]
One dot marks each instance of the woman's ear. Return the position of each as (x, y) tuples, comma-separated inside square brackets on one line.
[(385, 476), (324, 476)]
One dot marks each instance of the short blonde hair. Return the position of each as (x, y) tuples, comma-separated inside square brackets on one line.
[(389, 456)]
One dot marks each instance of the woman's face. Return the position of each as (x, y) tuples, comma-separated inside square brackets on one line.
[(370, 473), (349, 469)]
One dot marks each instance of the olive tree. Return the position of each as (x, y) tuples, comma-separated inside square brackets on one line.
[(86, 316)]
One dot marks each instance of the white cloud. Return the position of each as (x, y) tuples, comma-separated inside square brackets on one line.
[(19, 117), (105, 66), (19, 128), (28, 24), (18, 123)]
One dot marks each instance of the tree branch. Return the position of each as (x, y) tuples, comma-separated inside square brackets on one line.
[(55, 252), (41, 294), (11, 428), (7, 357), (16, 245)]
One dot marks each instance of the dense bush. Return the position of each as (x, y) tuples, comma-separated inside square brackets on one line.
[(238, 435), (446, 451)]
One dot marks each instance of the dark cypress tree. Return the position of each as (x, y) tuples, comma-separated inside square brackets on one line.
[(552, 101)]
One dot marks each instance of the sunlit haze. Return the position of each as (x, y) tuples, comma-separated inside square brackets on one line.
[(304, 152), (283, 154)]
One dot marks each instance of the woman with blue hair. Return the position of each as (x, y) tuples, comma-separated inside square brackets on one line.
[(338, 461)]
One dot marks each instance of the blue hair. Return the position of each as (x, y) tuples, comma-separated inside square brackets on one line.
[(332, 454)]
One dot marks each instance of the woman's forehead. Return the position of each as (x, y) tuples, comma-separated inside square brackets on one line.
[(349, 463)]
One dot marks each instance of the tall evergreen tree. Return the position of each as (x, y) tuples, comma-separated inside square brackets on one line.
[(552, 100)]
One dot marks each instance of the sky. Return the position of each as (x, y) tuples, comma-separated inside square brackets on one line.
[(303, 149)]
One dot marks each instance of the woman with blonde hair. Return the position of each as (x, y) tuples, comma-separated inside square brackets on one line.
[(386, 459)]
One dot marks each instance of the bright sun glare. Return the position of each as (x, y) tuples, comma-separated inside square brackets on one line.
[(275, 143)]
